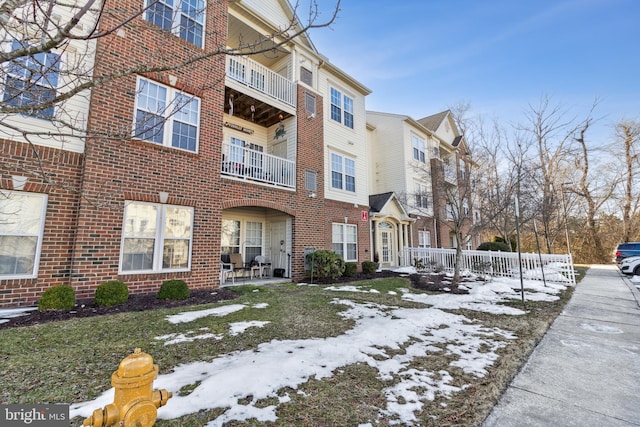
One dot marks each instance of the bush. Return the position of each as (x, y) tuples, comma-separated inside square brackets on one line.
[(326, 264), (494, 246), (111, 293), (61, 297), (369, 267), (173, 289), (350, 269)]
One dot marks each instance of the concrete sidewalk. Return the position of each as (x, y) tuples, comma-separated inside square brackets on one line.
[(586, 370)]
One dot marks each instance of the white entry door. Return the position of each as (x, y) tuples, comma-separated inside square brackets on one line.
[(386, 242)]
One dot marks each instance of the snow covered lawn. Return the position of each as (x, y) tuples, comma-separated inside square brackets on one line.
[(397, 333)]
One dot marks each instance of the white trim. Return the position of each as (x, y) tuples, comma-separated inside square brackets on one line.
[(39, 235)]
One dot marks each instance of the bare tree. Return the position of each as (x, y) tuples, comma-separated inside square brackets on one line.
[(551, 133), (594, 188), (628, 136)]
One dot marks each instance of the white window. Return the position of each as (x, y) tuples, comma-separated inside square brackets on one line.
[(424, 239), (166, 116), (31, 82), (421, 195), (463, 169), (341, 108), (345, 241), (343, 173), (242, 237), (156, 238), (21, 227), (184, 18), (419, 150)]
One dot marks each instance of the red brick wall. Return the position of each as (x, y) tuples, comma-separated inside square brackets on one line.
[(119, 169), (63, 171)]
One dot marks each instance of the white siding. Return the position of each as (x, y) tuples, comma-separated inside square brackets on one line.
[(269, 10), (345, 141), (79, 58)]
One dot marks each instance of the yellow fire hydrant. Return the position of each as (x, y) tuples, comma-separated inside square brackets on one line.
[(135, 402)]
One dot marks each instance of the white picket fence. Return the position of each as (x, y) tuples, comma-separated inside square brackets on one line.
[(554, 268)]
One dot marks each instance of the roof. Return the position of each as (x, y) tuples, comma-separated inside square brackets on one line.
[(433, 122), (377, 202)]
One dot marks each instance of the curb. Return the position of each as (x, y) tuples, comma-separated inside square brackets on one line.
[(632, 287)]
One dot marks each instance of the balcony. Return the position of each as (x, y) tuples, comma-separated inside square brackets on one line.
[(262, 79), (252, 165), (450, 174)]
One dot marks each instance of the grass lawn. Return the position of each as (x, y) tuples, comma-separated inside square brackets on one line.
[(72, 361)]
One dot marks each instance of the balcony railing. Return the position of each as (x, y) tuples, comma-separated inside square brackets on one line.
[(450, 174), (261, 78), (249, 164)]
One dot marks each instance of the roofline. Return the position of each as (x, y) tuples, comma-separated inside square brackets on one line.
[(325, 63)]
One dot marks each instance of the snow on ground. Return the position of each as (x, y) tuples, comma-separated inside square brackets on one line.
[(228, 380)]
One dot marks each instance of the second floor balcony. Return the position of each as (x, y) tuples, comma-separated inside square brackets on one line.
[(260, 78), (251, 164)]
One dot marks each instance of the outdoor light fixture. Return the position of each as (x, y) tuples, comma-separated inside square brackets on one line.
[(19, 182), (312, 195), (164, 196)]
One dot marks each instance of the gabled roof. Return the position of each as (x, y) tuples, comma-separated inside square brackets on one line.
[(433, 122), (387, 204), (377, 202)]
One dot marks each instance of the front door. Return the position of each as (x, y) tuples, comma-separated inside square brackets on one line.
[(387, 251)]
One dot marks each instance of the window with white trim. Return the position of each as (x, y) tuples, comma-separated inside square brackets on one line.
[(156, 238), (341, 108), (166, 116), (31, 82), (345, 241), (242, 237), (22, 218), (343, 173), (421, 195), (424, 239), (419, 150), (184, 18)]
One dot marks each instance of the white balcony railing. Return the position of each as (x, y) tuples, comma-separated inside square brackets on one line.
[(261, 78), (247, 163)]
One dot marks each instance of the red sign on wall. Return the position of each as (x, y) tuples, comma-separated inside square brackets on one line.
[(364, 215)]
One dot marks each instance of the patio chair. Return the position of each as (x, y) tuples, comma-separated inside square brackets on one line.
[(239, 266), (264, 265), (226, 271)]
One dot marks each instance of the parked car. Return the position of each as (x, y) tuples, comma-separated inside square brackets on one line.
[(628, 249), (630, 266), (625, 262)]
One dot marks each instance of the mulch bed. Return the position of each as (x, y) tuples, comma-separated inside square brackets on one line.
[(87, 308), (134, 303)]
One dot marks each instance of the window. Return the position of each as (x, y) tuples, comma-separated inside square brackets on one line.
[(421, 195), (242, 237), (345, 241), (21, 226), (230, 236), (418, 149), (31, 82), (306, 76), (184, 18), (424, 239), (310, 180), (156, 238), (463, 169), (310, 103), (343, 171), (341, 104), (166, 116)]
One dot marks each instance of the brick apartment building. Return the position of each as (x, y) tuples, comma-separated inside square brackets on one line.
[(217, 137), (257, 154)]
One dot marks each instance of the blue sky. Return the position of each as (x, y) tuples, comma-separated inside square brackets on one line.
[(420, 57)]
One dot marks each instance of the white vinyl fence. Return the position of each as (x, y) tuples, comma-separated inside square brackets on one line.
[(554, 268)]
